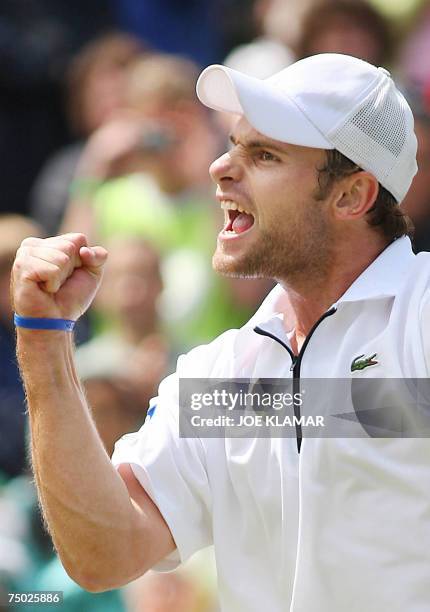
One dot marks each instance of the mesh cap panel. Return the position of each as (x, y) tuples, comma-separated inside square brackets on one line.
[(375, 136)]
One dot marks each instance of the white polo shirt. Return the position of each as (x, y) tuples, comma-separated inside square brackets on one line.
[(344, 525)]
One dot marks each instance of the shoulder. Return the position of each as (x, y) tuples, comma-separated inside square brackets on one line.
[(207, 360)]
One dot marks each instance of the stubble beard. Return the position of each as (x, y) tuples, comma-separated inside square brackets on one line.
[(292, 255)]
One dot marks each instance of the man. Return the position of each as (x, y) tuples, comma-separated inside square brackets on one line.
[(352, 28), (305, 524)]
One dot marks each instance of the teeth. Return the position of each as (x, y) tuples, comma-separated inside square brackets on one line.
[(230, 205)]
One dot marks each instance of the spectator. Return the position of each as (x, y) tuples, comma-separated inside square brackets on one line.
[(188, 28), (160, 151), (37, 38), (415, 53), (282, 21), (264, 55), (352, 27), (191, 588), (131, 344), (94, 92)]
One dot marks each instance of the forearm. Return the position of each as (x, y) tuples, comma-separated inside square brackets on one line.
[(93, 522)]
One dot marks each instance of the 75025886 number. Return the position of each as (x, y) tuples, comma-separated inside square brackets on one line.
[(36, 597)]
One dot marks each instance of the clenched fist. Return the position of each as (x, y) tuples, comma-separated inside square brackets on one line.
[(56, 277)]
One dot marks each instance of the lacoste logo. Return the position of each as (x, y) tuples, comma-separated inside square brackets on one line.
[(359, 363)]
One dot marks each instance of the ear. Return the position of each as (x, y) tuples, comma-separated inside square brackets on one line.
[(357, 194)]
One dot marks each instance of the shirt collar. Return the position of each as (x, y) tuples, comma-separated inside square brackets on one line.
[(383, 278), (385, 275)]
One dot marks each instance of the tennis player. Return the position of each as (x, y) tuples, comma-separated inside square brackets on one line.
[(321, 155)]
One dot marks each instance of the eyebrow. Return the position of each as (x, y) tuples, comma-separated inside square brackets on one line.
[(258, 144)]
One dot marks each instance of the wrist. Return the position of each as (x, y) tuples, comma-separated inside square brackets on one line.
[(54, 346), (43, 336), (46, 363)]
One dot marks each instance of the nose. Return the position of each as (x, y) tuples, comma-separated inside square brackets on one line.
[(225, 168)]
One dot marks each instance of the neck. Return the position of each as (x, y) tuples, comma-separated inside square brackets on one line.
[(308, 298)]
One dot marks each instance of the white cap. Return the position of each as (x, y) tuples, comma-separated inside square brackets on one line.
[(327, 101)]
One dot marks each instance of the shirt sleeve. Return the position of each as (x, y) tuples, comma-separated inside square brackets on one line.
[(172, 470)]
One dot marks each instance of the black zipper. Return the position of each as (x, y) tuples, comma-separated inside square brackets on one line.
[(296, 362)]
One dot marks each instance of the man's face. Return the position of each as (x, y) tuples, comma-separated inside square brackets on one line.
[(287, 234)]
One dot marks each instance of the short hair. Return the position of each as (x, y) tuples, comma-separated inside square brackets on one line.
[(115, 49), (360, 13), (385, 215), (162, 79)]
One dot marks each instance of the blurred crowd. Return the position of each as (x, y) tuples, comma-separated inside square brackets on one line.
[(101, 133)]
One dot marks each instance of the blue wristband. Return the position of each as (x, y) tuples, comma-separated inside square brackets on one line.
[(36, 323)]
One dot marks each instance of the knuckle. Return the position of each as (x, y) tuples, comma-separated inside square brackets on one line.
[(81, 238), (62, 259), (50, 274), (31, 241), (16, 268), (68, 248), (22, 251), (27, 274), (19, 263), (76, 237)]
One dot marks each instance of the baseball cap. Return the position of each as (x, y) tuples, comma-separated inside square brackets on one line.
[(327, 101)]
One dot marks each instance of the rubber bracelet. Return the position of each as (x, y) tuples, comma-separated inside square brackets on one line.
[(36, 323)]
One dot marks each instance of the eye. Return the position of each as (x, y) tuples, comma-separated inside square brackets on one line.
[(267, 156)]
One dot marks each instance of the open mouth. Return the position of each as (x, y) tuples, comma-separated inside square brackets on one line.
[(237, 221)]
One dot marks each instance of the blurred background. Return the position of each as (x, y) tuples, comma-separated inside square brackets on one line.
[(101, 133)]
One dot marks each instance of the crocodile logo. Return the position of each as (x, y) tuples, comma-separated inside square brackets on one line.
[(359, 363)]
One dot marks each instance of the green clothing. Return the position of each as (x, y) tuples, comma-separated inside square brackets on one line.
[(184, 228)]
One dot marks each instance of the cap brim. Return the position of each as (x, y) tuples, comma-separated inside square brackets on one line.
[(269, 110)]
